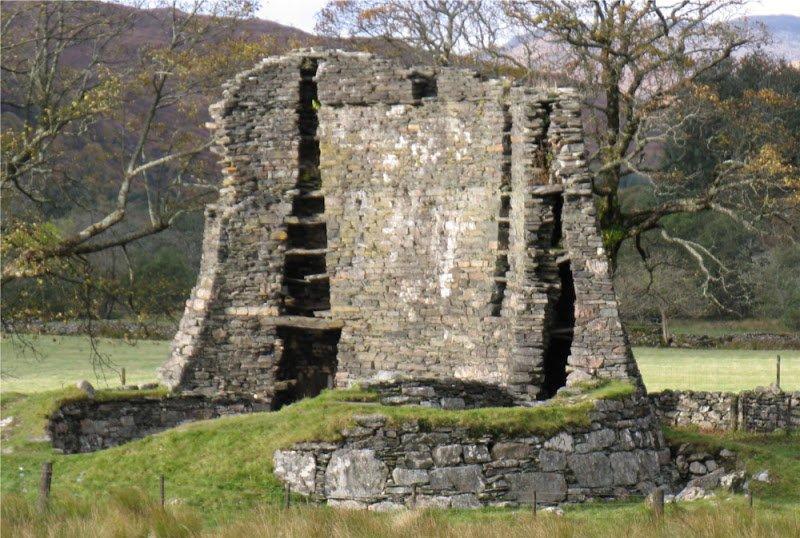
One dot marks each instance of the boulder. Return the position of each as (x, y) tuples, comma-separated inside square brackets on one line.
[(85, 387), (693, 493), (708, 481), (733, 482)]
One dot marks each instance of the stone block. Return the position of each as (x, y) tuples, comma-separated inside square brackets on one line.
[(625, 467), (447, 455), (591, 470), (476, 454), (551, 460), (549, 487), (409, 477), (512, 451), (465, 479), (298, 469), (355, 474)]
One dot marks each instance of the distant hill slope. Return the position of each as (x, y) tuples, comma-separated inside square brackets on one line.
[(785, 32)]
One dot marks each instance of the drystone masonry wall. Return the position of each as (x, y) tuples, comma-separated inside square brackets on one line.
[(89, 425), (378, 222), (382, 467), (762, 410)]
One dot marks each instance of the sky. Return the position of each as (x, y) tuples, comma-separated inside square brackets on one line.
[(300, 13)]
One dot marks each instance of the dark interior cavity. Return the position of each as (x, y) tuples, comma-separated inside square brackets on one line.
[(307, 365), (306, 287), (423, 85), (502, 265), (307, 362), (562, 326)]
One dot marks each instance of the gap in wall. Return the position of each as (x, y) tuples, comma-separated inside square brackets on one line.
[(307, 363), (502, 265), (561, 329)]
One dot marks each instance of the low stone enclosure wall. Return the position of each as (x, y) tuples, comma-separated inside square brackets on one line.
[(760, 410), (87, 425), (381, 466)]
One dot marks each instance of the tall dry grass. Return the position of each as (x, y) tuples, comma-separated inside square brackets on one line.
[(130, 513)]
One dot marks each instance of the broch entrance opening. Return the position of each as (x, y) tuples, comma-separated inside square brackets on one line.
[(562, 327), (308, 363)]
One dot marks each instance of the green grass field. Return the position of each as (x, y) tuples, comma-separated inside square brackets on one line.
[(220, 481), (59, 361)]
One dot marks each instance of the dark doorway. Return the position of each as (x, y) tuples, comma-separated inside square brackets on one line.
[(308, 363), (561, 327)]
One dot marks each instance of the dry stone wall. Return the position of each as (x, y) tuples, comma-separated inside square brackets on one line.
[(89, 425), (378, 222), (382, 467), (760, 410)]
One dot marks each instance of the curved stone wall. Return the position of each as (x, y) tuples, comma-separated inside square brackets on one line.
[(89, 425), (382, 466)]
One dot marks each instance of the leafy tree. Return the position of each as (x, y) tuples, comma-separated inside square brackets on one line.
[(91, 161)]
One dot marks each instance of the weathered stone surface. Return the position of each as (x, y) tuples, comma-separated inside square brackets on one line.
[(550, 460), (562, 442), (476, 454), (625, 466), (549, 487), (409, 477), (296, 468), (591, 470), (85, 387), (467, 478), (447, 455), (512, 451), (355, 474)]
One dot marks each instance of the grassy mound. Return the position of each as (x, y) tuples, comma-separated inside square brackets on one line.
[(224, 465)]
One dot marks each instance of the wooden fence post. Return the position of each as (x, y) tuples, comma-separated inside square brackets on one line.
[(658, 503), (122, 377), (286, 495), (44, 485), (749, 498), (162, 490), (778, 372), (534, 503)]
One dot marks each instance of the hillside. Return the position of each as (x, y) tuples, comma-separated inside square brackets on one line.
[(785, 33)]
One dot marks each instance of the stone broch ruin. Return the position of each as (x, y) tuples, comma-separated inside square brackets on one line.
[(380, 223), (431, 236)]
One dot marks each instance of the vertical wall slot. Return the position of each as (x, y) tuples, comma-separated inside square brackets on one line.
[(306, 286), (560, 314), (502, 265), (308, 359)]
